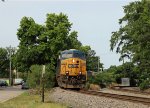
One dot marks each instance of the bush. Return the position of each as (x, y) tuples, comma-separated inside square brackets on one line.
[(49, 79), (107, 78), (91, 79), (102, 79), (35, 77), (144, 85), (87, 85)]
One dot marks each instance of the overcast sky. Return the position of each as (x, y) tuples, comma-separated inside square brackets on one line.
[(94, 21)]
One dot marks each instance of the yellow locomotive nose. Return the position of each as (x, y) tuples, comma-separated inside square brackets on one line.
[(72, 69)]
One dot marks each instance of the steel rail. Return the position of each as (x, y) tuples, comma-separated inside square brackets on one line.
[(131, 91), (135, 99)]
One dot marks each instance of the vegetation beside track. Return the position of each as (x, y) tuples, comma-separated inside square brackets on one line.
[(27, 100)]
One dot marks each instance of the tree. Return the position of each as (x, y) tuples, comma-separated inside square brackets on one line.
[(4, 63), (73, 41), (133, 37), (39, 44), (91, 59)]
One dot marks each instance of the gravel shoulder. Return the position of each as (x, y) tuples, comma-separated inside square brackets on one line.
[(78, 100)]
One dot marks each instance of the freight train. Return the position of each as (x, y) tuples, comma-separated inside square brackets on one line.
[(71, 69)]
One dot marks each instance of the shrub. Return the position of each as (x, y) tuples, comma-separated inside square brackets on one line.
[(144, 84), (102, 79), (35, 77), (87, 85)]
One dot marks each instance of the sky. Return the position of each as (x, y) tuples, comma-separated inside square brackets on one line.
[(94, 20)]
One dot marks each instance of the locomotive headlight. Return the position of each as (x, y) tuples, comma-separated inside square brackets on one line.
[(67, 72), (80, 73), (73, 60)]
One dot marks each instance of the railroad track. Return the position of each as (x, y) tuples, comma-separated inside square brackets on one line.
[(131, 91), (135, 99)]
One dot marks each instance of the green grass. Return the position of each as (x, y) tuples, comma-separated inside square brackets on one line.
[(30, 101)]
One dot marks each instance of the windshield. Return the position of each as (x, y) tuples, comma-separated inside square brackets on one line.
[(72, 53), (78, 54), (67, 55)]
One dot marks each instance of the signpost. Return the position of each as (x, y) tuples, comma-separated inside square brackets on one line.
[(43, 72)]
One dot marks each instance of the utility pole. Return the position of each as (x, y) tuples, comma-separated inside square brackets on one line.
[(98, 63), (11, 51), (16, 67), (10, 79)]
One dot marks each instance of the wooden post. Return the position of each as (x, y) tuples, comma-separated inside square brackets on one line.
[(43, 72)]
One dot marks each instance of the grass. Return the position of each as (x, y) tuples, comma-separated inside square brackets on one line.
[(30, 101)]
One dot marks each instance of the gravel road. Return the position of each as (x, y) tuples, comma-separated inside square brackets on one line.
[(77, 100)]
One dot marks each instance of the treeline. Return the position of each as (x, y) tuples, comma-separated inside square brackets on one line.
[(4, 63), (132, 40), (6, 55)]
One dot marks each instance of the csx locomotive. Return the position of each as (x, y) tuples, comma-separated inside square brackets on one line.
[(71, 69)]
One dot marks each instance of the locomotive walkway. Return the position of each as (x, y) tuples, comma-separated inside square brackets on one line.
[(7, 93)]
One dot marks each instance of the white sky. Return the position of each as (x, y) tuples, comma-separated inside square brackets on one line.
[(94, 21)]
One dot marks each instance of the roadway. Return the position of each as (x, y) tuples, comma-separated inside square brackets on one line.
[(7, 93)]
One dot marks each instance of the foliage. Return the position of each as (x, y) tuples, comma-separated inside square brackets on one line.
[(91, 80), (145, 84), (35, 76), (91, 59), (115, 73), (49, 76), (20, 62), (87, 86), (23, 75), (4, 63), (126, 70), (41, 43), (132, 40), (105, 78)]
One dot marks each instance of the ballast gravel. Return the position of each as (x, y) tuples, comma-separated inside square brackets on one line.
[(78, 100)]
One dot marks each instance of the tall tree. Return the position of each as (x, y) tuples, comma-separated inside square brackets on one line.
[(40, 44), (133, 38)]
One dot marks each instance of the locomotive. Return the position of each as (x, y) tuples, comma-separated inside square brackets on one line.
[(71, 69)]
